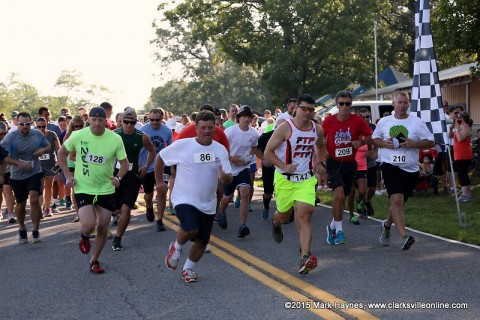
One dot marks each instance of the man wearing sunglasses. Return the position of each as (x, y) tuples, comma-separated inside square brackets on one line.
[(161, 137), (93, 181), (342, 133), (126, 195), (297, 151), (25, 147)]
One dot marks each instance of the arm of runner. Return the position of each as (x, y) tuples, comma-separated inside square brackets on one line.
[(62, 162), (159, 167), (147, 143), (43, 150), (275, 141), (320, 151), (124, 165)]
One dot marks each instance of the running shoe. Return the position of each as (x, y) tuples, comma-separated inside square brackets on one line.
[(222, 220), (264, 216), (188, 275), (96, 267), (406, 242), (36, 236), (149, 214), (369, 207), (54, 208), (307, 264), (208, 249), (117, 244), (171, 211), (277, 232), (22, 236), (362, 212), (11, 218), (243, 231), (171, 260), (84, 244), (68, 202), (61, 202), (237, 202), (76, 219), (250, 209), (465, 198), (331, 233), (339, 238), (115, 220), (160, 226), (47, 213), (354, 220), (385, 237)]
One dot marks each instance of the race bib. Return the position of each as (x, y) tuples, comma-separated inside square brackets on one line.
[(92, 158), (343, 152), (44, 157), (203, 157), (399, 159), (300, 177), (166, 177), (130, 166)]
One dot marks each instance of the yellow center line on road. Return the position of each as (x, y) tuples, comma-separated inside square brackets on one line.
[(289, 293), (309, 289)]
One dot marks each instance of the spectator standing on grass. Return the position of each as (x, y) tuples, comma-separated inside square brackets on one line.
[(462, 149)]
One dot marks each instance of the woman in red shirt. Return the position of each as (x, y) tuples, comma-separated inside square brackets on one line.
[(462, 152)]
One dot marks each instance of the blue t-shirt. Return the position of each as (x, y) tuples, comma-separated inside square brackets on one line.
[(21, 147), (160, 139)]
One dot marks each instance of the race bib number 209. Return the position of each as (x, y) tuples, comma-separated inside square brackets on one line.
[(343, 152)]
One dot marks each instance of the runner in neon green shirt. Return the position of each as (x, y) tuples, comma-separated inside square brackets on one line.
[(94, 183)]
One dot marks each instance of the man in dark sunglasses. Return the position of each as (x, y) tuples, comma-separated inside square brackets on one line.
[(343, 134), (126, 194), (24, 147), (161, 137)]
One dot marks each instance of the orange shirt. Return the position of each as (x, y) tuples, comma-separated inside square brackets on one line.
[(191, 132)]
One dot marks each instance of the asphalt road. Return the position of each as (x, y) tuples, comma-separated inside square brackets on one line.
[(252, 278)]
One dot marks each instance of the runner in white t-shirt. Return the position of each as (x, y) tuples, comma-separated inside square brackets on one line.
[(399, 138), (243, 140), (205, 161)]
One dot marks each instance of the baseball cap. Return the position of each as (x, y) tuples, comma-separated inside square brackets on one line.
[(129, 113), (98, 112), (217, 112), (171, 124), (15, 114), (244, 111)]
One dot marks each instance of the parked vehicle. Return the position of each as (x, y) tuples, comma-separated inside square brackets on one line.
[(377, 108)]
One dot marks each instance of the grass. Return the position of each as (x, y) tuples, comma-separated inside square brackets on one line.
[(427, 212)]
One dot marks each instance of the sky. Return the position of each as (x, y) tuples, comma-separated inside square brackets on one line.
[(107, 41)]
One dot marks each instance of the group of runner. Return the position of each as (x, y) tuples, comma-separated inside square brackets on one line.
[(110, 167)]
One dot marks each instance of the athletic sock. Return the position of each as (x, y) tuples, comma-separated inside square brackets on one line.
[(189, 264), (339, 226), (178, 246)]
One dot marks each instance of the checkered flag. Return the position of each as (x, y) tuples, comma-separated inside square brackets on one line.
[(426, 95)]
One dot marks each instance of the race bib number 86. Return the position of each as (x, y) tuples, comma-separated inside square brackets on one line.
[(203, 157)]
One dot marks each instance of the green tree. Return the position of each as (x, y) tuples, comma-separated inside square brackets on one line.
[(300, 46), (457, 26)]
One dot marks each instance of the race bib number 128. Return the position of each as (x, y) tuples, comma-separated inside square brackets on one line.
[(95, 159)]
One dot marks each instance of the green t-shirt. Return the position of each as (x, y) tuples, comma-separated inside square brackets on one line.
[(229, 123), (96, 156), (133, 143)]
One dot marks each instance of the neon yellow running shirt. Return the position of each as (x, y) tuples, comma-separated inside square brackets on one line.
[(96, 156)]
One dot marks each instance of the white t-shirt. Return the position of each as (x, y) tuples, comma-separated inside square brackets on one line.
[(282, 116), (241, 143), (197, 165), (411, 127)]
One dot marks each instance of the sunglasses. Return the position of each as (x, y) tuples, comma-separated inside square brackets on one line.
[(129, 122), (366, 117), (41, 127), (77, 127), (153, 120), (306, 109), (348, 104), (24, 124)]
